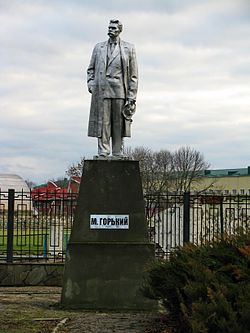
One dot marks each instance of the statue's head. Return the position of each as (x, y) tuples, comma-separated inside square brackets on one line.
[(114, 28)]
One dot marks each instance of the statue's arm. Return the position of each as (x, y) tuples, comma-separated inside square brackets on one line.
[(132, 76), (91, 71)]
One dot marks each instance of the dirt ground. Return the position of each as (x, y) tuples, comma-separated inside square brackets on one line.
[(36, 310)]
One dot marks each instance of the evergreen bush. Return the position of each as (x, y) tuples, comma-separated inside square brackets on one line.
[(206, 287)]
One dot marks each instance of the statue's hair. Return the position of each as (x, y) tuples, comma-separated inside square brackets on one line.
[(119, 23)]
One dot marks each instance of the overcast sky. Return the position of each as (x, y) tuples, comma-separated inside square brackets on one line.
[(194, 79)]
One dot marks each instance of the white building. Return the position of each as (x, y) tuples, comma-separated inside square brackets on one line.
[(22, 192)]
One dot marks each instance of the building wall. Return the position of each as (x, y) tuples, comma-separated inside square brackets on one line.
[(17, 183), (226, 184)]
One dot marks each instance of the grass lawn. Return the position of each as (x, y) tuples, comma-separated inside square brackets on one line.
[(30, 242)]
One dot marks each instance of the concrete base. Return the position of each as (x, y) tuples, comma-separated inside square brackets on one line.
[(106, 276), (104, 269)]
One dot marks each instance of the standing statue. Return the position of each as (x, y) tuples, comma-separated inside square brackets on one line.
[(112, 80)]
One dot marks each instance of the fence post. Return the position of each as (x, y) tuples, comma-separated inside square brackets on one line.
[(186, 217), (221, 216), (10, 225)]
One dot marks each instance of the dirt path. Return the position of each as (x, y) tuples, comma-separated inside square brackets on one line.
[(35, 309), (108, 322)]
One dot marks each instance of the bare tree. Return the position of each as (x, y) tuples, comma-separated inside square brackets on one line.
[(163, 171), (178, 171), (154, 168), (188, 166), (30, 183), (75, 169), (144, 156)]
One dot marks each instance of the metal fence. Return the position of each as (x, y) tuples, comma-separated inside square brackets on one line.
[(36, 227), (176, 219)]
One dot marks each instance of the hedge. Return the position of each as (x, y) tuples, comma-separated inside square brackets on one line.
[(206, 287)]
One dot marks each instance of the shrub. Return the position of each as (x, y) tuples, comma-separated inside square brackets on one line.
[(207, 287)]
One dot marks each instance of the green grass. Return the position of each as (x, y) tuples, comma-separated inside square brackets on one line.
[(32, 241)]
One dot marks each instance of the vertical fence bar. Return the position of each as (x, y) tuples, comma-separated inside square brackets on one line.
[(221, 216), (10, 225), (186, 217)]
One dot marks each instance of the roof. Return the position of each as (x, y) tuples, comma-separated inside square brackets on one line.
[(12, 181), (75, 179), (50, 191), (228, 172)]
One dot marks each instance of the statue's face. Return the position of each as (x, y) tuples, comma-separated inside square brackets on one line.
[(113, 30)]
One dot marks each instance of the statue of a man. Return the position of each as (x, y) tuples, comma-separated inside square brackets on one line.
[(112, 81)]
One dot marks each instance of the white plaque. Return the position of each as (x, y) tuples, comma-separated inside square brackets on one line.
[(109, 221)]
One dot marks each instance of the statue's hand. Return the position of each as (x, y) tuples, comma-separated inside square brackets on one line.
[(129, 109), (130, 101)]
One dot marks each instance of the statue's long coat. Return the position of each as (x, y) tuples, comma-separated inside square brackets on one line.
[(96, 82)]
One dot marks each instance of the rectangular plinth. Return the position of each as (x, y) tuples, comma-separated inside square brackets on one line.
[(106, 276), (108, 249), (110, 188)]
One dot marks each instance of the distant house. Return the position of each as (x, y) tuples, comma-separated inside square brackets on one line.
[(227, 181), (51, 190), (17, 183), (11, 181), (74, 184), (51, 197)]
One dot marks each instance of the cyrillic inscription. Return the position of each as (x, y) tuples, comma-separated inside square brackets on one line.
[(109, 221)]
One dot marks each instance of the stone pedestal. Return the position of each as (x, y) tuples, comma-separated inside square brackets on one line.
[(108, 249)]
